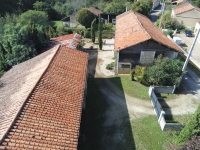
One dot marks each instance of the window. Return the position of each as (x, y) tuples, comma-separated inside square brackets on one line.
[(126, 66)]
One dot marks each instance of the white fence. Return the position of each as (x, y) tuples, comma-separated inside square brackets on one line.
[(160, 113)]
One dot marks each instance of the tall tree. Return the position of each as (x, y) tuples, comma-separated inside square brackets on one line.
[(85, 17), (164, 72), (143, 6), (93, 29), (100, 27)]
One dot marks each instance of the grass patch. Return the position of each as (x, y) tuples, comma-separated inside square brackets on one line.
[(131, 88), (58, 23), (148, 134)]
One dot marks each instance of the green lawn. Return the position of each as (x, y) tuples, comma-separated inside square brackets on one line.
[(58, 23), (136, 89)]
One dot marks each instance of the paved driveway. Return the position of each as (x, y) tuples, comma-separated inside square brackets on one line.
[(187, 43)]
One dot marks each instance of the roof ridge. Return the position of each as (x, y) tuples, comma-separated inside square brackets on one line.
[(142, 25), (31, 91)]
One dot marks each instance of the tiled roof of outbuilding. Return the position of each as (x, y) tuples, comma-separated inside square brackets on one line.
[(133, 28), (17, 83), (184, 7), (50, 117), (95, 11), (69, 40)]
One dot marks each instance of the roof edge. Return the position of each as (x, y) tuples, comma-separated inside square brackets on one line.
[(20, 109)]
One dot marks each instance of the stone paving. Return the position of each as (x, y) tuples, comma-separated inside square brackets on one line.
[(17, 84)]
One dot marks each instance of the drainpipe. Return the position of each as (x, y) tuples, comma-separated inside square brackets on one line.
[(117, 61)]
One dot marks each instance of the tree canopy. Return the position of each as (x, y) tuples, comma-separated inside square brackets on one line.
[(164, 72), (115, 8), (143, 6), (85, 17)]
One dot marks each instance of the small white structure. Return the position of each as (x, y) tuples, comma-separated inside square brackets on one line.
[(177, 40), (197, 27)]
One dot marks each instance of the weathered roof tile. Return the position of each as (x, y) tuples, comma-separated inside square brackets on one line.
[(133, 28)]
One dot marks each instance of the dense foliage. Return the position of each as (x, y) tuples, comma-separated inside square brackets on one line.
[(93, 29), (191, 128), (115, 8), (163, 72), (143, 6), (167, 21), (100, 28), (22, 37), (85, 17)]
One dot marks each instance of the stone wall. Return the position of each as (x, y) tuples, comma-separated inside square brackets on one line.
[(160, 113), (171, 54), (164, 89), (147, 57)]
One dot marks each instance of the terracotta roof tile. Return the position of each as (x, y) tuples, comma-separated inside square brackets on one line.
[(17, 83), (184, 7), (95, 11), (70, 40), (50, 118), (133, 28)]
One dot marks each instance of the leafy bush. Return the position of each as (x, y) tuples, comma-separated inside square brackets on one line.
[(169, 32), (87, 34), (110, 66), (191, 128), (139, 73), (132, 74), (164, 72), (108, 26)]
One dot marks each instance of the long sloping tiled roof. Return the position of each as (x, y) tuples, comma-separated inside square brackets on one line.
[(184, 7), (70, 40), (50, 117), (133, 28), (17, 83), (95, 11)]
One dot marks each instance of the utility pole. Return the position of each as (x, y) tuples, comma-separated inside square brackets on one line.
[(162, 11), (188, 57), (190, 52)]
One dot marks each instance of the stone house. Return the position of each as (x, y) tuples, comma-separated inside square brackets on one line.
[(138, 42), (186, 14)]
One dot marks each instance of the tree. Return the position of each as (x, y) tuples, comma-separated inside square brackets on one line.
[(100, 33), (85, 17), (44, 6), (167, 21), (164, 72), (37, 17), (143, 6), (115, 8), (93, 29)]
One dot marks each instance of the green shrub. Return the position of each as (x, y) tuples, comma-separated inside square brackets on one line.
[(132, 74), (87, 34), (191, 128), (169, 32), (139, 73), (108, 26), (110, 66)]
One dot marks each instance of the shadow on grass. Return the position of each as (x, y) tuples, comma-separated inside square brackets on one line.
[(105, 123)]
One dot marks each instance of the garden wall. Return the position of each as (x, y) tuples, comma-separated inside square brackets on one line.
[(164, 89), (160, 113)]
